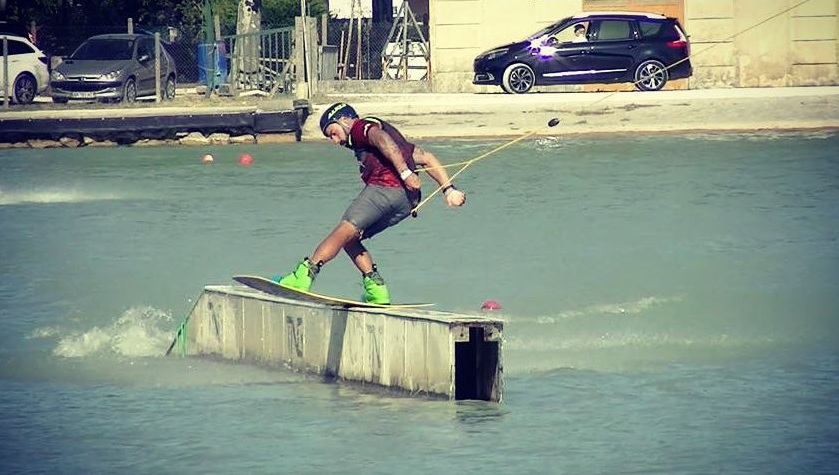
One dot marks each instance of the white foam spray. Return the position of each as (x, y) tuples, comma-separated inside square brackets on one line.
[(139, 332)]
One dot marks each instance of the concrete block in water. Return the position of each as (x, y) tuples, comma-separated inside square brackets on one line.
[(432, 353)]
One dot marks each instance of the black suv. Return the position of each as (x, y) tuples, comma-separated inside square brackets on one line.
[(644, 49)]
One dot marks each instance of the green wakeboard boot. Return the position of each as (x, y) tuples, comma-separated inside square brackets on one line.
[(375, 289), (302, 277)]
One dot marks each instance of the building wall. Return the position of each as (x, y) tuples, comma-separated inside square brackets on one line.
[(758, 43), (734, 43), (462, 29)]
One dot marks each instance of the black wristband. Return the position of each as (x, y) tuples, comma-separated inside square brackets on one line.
[(447, 188)]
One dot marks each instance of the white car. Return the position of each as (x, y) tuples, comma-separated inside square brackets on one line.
[(27, 69)]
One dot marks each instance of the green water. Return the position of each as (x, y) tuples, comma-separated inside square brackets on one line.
[(670, 306)]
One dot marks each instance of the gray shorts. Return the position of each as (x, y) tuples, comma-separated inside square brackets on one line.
[(377, 208)]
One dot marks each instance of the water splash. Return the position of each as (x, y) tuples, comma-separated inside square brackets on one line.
[(130, 352), (48, 196), (549, 142), (138, 332), (648, 333), (760, 136), (630, 308)]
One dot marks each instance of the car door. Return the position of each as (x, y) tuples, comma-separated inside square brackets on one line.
[(15, 62), (145, 70), (563, 59), (614, 45)]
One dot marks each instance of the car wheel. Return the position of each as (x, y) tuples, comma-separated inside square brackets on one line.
[(650, 75), (25, 88), (129, 94), (171, 86), (518, 79)]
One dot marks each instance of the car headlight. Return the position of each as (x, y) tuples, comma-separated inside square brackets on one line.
[(56, 75), (496, 53), (111, 76)]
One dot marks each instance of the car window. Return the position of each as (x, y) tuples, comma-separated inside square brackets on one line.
[(145, 47), (544, 31), (573, 33), (662, 30), (16, 47), (614, 30), (104, 49), (650, 28)]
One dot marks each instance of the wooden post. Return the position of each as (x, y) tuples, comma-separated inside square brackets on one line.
[(312, 54), (405, 53), (6, 98), (157, 95), (342, 65), (358, 46), (324, 39), (307, 46), (347, 52)]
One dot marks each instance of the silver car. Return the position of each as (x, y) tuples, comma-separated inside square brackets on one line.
[(116, 67)]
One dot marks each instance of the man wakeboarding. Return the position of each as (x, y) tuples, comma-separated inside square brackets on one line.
[(389, 164)]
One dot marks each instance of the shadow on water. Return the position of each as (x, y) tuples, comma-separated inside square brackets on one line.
[(475, 414)]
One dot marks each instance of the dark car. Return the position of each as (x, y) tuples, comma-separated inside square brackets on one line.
[(599, 47), (117, 67)]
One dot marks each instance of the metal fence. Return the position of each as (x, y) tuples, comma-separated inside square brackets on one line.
[(361, 44), (259, 61), (352, 49)]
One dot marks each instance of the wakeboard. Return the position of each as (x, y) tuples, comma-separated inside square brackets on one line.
[(270, 287)]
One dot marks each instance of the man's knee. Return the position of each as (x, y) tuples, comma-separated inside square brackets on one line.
[(349, 230), (354, 248)]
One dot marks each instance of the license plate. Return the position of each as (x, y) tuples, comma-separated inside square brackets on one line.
[(82, 94)]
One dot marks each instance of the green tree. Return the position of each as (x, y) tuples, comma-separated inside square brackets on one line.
[(280, 13), (65, 23)]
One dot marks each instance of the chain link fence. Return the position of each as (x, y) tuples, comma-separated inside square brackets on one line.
[(351, 49), (359, 46), (258, 61)]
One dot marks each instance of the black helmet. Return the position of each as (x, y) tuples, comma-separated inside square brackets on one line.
[(335, 112)]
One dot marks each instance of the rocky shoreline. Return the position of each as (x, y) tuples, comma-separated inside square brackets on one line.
[(188, 120), (188, 139)]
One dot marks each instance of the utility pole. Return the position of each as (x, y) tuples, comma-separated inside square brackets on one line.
[(307, 56)]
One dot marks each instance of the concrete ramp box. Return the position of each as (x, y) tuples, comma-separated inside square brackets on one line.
[(421, 352)]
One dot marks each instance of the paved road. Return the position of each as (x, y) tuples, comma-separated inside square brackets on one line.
[(483, 115)]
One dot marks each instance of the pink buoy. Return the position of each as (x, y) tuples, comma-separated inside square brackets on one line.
[(245, 160), (490, 305)]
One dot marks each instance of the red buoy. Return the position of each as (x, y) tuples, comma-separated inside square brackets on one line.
[(490, 305)]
